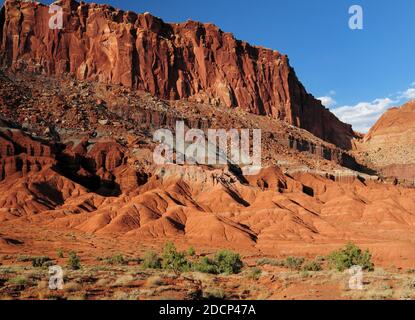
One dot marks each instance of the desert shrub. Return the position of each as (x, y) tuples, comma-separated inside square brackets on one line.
[(195, 294), (116, 260), (294, 263), (59, 253), (228, 262), (24, 258), (254, 273), (214, 294), (349, 256), (174, 260), (312, 266), (39, 262), (18, 281), (270, 262), (151, 260), (320, 259), (74, 262), (6, 270), (191, 252), (206, 265)]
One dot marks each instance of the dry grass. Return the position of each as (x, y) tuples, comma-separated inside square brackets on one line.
[(41, 285), (103, 282), (128, 282), (72, 287), (154, 281), (123, 281), (77, 298), (214, 293)]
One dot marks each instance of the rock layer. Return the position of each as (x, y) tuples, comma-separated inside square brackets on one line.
[(389, 145), (171, 61)]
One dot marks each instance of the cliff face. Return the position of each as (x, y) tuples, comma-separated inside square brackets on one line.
[(397, 122), (389, 145), (171, 61)]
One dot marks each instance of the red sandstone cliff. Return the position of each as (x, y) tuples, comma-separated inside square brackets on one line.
[(171, 61)]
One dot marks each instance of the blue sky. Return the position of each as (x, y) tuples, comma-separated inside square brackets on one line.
[(359, 73)]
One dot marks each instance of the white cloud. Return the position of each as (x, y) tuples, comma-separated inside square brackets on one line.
[(363, 115), (327, 101), (408, 94)]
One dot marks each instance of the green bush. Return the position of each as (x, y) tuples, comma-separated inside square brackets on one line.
[(191, 252), (59, 253), (151, 260), (312, 266), (294, 263), (39, 262), (228, 262), (174, 260), (18, 281), (74, 261), (206, 265), (349, 256), (254, 273)]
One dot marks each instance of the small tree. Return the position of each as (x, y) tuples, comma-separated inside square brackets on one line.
[(228, 262), (74, 261), (174, 260), (206, 265), (349, 256), (294, 263)]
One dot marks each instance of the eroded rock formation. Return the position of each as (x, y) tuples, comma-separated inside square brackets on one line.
[(390, 143), (171, 61)]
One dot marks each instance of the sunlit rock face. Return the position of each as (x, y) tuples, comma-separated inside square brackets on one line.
[(189, 60)]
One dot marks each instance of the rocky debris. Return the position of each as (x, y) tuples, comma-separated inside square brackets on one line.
[(132, 117), (171, 61)]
